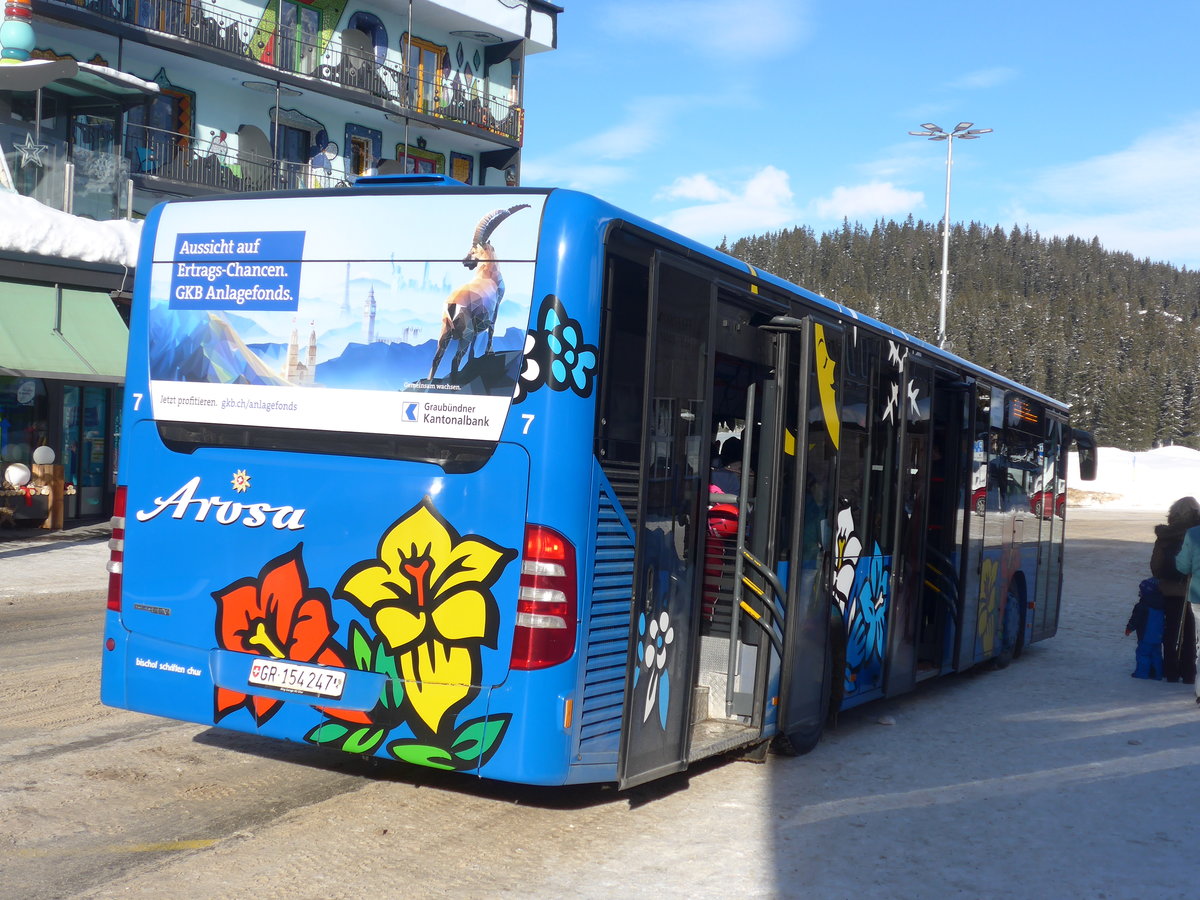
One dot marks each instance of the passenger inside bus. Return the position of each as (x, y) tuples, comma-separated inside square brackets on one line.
[(727, 477)]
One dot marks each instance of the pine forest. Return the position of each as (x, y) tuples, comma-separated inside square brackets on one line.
[(1115, 336)]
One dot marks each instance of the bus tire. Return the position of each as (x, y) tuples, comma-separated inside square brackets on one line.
[(1012, 629)]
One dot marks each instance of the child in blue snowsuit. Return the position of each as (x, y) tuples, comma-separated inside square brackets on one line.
[(1147, 620)]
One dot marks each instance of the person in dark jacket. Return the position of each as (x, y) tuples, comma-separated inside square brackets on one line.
[(1179, 626)]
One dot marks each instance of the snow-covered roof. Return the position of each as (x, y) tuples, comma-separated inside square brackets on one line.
[(27, 226)]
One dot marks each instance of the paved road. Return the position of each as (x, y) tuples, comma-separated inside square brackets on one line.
[(1059, 774)]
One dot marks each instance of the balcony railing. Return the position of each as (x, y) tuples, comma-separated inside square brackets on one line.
[(183, 159), (294, 49), (74, 179)]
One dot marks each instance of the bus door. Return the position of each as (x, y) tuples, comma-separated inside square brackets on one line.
[(740, 616), (908, 563), (941, 609), (674, 482), (809, 377)]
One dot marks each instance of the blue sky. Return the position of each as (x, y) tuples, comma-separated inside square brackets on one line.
[(733, 117)]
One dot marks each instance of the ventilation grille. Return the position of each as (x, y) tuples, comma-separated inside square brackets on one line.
[(607, 651)]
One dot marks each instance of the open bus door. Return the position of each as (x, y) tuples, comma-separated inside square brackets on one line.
[(673, 484), (810, 392), (702, 641)]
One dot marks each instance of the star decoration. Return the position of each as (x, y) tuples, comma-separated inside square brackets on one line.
[(893, 404), (31, 152), (914, 393)]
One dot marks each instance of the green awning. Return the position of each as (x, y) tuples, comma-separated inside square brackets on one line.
[(83, 338)]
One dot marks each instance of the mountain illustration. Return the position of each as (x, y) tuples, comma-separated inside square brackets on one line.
[(203, 346), (384, 365)]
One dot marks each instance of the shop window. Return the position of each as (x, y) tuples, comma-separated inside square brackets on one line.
[(23, 417), (85, 449)]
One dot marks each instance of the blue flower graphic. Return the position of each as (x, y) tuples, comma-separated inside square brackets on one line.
[(571, 359), (556, 354)]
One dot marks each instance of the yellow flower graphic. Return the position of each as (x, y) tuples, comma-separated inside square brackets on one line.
[(988, 602), (429, 597)]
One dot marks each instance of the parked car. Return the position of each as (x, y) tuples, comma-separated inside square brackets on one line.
[(1045, 503), (982, 498)]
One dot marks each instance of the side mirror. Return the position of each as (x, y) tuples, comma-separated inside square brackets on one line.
[(1086, 445)]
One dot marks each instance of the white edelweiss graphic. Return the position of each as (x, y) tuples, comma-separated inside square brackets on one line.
[(658, 636)]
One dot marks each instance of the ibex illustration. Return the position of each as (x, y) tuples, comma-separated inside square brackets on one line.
[(471, 307)]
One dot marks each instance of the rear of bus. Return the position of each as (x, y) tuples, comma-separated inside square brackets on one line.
[(324, 529)]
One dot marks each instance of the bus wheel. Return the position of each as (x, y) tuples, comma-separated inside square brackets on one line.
[(980, 506), (1012, 634)]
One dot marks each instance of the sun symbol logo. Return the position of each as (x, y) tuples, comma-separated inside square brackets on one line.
[(241, 481)]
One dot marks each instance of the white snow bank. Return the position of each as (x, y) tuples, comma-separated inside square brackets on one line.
[(27, 226), (1152, 479)]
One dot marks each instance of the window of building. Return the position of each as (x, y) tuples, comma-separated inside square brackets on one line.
[(299, 30), (364, 147), (424, 69), (293, 152), (360, 156)]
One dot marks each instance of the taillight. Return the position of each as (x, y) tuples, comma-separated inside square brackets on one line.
[(547, 606), (116, 550)]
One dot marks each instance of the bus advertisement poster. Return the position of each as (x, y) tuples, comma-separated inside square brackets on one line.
[(381, 314)]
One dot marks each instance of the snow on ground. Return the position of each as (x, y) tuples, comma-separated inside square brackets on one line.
[(27, 226), (1151, 479)]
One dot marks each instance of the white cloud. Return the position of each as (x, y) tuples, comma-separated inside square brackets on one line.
[(763, 203), (713, 26), (565, 172), (642, 129), (592, 163), (766, 202), (1140, 200), (694, 187), (986, 78), (867, 201)]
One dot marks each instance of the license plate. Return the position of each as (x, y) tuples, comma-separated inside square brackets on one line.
[(315, 681)]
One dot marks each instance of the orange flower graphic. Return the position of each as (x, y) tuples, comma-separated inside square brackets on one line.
[(276, 614)]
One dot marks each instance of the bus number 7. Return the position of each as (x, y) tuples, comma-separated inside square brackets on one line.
[(528, 417)]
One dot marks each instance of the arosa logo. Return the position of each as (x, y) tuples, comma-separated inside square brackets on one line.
[(225, 512)]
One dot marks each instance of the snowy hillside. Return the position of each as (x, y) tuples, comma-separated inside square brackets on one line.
[(1152, 479)]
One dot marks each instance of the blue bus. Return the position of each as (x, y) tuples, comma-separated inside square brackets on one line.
[(425, 471)]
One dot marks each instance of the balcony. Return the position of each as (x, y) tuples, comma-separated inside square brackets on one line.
[(75, 179), (179, 158), (342, 62)]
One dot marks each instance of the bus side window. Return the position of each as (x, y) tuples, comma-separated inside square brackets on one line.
[(619, 429)]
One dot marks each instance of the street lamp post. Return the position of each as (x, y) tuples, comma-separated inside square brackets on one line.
[(962, 131)]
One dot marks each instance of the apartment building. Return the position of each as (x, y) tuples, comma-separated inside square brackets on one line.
[(108, 107)]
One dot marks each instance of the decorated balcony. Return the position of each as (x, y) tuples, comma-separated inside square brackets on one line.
[(430, 84)]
